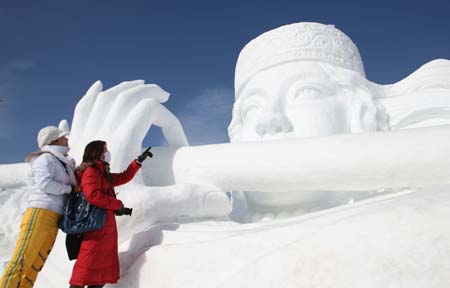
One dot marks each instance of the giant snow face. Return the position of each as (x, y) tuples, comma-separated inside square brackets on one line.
[(311, 84), (292, 100), (307, 80)]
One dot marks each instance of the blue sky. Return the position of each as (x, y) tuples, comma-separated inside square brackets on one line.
[(52, 51)]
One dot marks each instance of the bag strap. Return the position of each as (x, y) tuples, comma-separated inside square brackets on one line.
[(62, 163)]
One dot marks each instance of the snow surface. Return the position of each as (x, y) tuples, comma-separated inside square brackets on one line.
[(396, 240)]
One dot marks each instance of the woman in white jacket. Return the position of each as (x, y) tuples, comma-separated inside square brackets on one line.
[(52, 178)]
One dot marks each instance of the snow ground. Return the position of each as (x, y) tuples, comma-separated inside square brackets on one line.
[(395, 240)]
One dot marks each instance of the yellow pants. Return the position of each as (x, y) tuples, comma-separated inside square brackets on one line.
[(38, 232)]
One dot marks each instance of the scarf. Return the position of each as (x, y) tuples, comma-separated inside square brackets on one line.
[(60, 152)]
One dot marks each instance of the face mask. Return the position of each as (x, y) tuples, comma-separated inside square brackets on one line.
[(107, 157)]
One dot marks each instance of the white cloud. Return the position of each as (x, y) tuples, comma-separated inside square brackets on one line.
[(206, 117)]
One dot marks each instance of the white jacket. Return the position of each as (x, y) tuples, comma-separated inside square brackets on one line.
[(50, 182)]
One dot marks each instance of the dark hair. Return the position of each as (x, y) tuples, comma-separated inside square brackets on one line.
[(92, 154), (93, 151)]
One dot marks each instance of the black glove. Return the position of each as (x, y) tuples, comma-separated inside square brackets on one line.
[(124, 211), (144, 155)]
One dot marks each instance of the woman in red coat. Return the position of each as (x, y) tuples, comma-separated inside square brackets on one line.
[(98, 261)]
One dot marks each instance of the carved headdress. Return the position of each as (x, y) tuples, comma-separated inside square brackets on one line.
[(296, 42)]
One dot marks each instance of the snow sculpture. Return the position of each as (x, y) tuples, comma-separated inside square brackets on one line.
[(304, 80), (307, 80), (287, 85), (122, 116)]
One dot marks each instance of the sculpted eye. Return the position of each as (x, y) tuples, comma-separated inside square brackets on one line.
[(250, 109), (309, 93), (304, 91), (251, 104)]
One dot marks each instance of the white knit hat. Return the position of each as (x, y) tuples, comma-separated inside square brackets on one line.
[(48, 134)]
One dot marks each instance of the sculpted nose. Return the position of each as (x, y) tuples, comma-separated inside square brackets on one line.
[(273, 124)]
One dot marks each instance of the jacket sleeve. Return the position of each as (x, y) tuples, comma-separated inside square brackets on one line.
[(91, 187), (44, 173), (125, 176)]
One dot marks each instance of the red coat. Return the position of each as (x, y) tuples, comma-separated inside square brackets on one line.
[(98, 260)]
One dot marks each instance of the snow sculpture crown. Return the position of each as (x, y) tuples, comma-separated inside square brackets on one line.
[(296, 42)]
